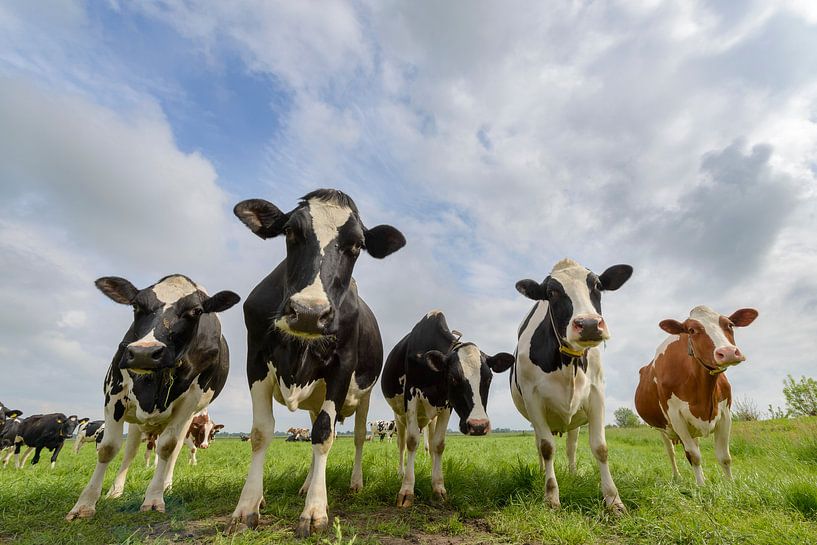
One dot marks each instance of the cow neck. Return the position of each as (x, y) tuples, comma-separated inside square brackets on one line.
[(568, 356), (708, 369)]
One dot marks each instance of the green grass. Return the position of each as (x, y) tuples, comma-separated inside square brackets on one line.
[(496, 495)]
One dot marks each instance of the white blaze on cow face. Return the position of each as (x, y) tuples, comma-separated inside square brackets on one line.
[(724, 351), (573, 278), (470, 359)]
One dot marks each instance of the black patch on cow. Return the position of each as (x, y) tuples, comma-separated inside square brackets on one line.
[(526, 321), (594, 287), (46, 431), (92, 427), (322, 428), (118, 410)]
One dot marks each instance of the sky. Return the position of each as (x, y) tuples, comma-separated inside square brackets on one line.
[(678, 137)]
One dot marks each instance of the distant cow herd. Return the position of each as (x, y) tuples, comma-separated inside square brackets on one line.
[(314, 344)]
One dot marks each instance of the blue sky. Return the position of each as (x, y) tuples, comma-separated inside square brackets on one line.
[(678, 137)]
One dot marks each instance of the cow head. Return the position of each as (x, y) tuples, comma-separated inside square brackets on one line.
[(711, 336), (67, 426), (467, 373), (573, 294), (324, 237), (6, 413), (165, 319), (203, 430)]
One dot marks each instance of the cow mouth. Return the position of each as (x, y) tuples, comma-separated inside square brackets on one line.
[(309, 335)]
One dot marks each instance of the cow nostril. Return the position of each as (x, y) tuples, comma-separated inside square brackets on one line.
[(157, 354), (289, 310), (578, 324), (131, 355), (325, 316)]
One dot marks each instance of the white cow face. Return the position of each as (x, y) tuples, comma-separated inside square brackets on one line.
[(573, 293)]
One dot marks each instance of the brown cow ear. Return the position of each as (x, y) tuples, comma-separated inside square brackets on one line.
[(673, 327), (743, 317)]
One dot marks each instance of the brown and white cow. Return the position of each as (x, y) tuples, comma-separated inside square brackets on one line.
[(201, 433), (684, 392)]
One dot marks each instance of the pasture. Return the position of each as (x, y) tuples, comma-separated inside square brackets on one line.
[(495, 494)]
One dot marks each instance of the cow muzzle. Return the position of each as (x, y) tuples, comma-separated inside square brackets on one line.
[(146, 357), (728, 355), (477, 426), (310, 320), (588, 330)]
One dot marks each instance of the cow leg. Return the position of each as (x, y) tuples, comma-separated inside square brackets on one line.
[(248, 509), (18, 460), (314, 516), (8, 456), (691, 448), (36, 458), (361, 414), (305, 486), (546, 447), (56, 453), (111, 442), (131, 447), (192, 446), (167, 446), (671, 453), (405, 498), (171, 463), (572, 443), (77, 444), (598, 445), (723, 430), (429, 433), (437, 440), (401, 446)]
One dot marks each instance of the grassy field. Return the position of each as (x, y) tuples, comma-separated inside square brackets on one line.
[(495, 495)]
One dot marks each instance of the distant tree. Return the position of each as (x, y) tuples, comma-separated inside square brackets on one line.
[(801, 396), (777, 412), (626, 418), (745, 409)]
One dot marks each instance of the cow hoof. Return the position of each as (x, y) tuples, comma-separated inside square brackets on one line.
[(82, 513), (309, 526), (262, 503), (153, 505), (554, 504), (356, 487), (441, 494), (616, 507), (405, 499)]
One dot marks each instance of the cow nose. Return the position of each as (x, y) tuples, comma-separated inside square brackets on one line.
[(310, 318), (145, 353), (589, 328), (728, 354), (478, 427)]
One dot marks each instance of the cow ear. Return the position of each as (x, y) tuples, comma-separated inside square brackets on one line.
[(433, 360), (218, 427), (615, 276), (383, 240), (84, 420), (500, 362), (220, 301), (673, 327), (262, 217), (743, 317), (532, 289), (13, 413), (117, 289)]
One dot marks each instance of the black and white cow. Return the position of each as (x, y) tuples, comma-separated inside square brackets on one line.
[(382, 428), (172, 362), (428, 373), (10, 423), (43, 431), (312, 342), (557, 382), (88, 432)]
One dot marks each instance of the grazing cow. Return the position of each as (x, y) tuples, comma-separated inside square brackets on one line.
[(9, 431), (684, 392), (243, 437), (382, 428), (201, 432), (312, 342), (43, 431), (172, 362), (557, 382), (298, 434), (88, 432), (428, 373)]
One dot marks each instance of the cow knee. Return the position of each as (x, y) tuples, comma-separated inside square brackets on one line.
[(411, 442), (105, 453), (439, 448), (694, 458), (167, 447), (600, 452), (546, 449)]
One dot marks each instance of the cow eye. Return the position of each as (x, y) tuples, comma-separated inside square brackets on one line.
[(194, 312), (692, 331), (553, 294)]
